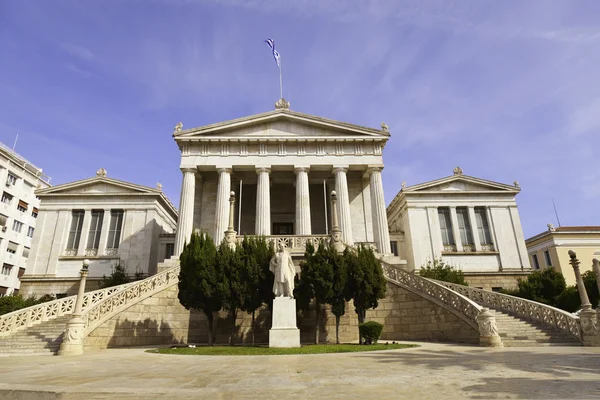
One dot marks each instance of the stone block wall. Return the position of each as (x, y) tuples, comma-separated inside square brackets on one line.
[(490, 281), (161, 319)]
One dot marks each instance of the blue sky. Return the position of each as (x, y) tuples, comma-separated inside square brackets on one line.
[(507, 90)]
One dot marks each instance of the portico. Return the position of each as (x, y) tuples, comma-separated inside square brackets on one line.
[(282, 165)]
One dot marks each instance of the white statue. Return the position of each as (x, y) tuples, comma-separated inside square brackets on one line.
[(282, 266), (178, 127)]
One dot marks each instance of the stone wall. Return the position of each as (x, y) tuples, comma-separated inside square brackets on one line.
[(494, 280), (160, 319), (60, 286)]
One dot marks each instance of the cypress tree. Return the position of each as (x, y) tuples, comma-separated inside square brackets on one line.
[(339, 287)]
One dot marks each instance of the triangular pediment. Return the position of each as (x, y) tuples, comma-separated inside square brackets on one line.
[(280, 124), (96, 186), (461, 184)]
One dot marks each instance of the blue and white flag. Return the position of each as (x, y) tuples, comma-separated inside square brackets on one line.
[(271, 44)]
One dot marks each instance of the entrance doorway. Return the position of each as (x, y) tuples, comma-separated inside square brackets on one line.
[(283, 228)]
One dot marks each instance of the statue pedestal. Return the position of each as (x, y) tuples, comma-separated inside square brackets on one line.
[(284, 332)]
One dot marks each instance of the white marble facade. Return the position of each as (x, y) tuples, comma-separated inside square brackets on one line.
[(471, 223), (282, 166), (133, 229)]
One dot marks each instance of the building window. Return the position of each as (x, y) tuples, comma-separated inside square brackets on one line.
[(34, 212), (19, 275), (11, 180), (464, 225), (6, 198), (95, 229), (483, 226), (75, 230), (536, 263), (12, 247), (394, 247), (170, 250), (446, 226), (17, 226), (22, 206), (114, 230), (26, 252), (547, 258), (3, 220), (30, 232), (6, 268)]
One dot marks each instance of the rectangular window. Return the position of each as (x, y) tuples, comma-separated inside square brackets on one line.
[(446, 226), (3, 220), (464, 225), (30, 232), (394, 247), (34, 212), (11, 180), (547, 258), (114, 230), (26, 252), (19, 275), (6, 198), (6, 268), (170, 250), (483, 227), (12, 247), (17, 226), (536, 263), (75, 230), (95, 228), (22, 206)]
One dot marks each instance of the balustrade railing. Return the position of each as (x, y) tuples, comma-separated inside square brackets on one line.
[(294, 243), (528, 309), (109, 306), (26, 317), (462, 306)]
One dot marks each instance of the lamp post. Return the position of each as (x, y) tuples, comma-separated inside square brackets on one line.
[(72, 343), (587, 316)]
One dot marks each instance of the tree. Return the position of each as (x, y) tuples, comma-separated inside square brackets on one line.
[(231, 287), (589, 280), (438, 269), (316, 279), (339, 287), (544, 286), (16, 302), (200, 278), (257, 282), (366, 283), (117, 277)]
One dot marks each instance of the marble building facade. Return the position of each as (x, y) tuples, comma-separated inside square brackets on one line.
[(282, 166)]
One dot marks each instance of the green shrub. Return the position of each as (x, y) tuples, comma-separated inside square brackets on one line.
[(439, 270), (370, 331), (543, 286), (16, 302), (589, 280), (569, 299)]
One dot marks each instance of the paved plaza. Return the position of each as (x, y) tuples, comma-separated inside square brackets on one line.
[(432, 371)]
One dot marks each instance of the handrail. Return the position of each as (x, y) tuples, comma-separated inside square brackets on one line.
[(103, 310), (532, 310), (294, 243), (26, 317), (460, 305)]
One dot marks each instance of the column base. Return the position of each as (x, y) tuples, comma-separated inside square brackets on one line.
[(72, 344), (284, 337), (490, 341)]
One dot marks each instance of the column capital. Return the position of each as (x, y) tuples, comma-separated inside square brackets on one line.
[(266, 168), (224, 169), (374, 168), (301, 168), (340, 168), (187, 169)]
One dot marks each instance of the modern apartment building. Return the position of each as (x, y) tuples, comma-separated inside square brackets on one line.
[(19, 179)]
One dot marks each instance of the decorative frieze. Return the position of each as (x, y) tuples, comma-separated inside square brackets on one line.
[(320, 149), (262, 150), (281, 149), (339, 149), (301, 149), (243, 149)]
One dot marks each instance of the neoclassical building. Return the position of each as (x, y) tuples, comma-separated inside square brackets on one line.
[(105, 220), (282, 166), (471, 223)]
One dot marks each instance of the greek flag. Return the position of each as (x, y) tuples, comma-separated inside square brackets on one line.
[(271, 44)]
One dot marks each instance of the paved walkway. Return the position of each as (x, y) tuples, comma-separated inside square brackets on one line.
[(433, 371)]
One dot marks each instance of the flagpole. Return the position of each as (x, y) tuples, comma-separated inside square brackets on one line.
[(280, 81)]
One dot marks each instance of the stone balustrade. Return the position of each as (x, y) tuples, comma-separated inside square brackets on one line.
[(293, 243)]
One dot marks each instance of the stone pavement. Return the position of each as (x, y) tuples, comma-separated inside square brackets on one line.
[(432, 371)]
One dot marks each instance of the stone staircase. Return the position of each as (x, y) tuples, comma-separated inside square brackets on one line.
[(517, 332), (41, 339)]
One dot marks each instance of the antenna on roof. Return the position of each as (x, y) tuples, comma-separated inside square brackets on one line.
[(556, 212), (15, 143)]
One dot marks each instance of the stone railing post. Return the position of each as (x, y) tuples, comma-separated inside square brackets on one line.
[(589, 322), (72, 343), (230, 233), (596, 268), (335, 232), (488, 331)]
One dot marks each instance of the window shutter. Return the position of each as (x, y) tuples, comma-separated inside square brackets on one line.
[(23, 204), (35, 210)]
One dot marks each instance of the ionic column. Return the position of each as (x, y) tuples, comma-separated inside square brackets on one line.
[(381, 231), (104, 232), (263, 202), (455, 231), (474, 228), (343, 204), (302, 202), (222, 208), (186, 210)]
